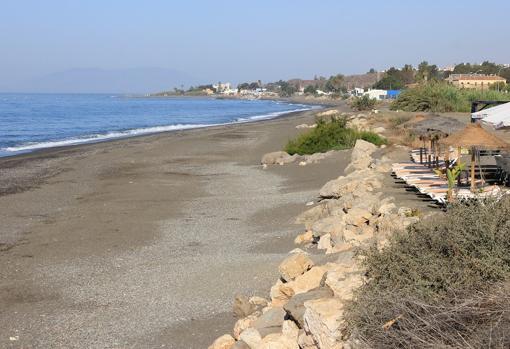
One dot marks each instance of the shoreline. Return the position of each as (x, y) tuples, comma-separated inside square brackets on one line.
[(137, 232), (143, 134)]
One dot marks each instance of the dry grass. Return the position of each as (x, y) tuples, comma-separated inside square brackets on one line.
[(442, 284)]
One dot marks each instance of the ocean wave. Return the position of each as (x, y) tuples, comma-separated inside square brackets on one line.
[(27, 147)]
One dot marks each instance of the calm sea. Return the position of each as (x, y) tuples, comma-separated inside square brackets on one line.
[(34, 121)]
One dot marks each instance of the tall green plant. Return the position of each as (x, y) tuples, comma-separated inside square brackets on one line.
[(452, 175)]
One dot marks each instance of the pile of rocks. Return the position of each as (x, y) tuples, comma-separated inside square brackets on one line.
[(283, 158), (306, 304)]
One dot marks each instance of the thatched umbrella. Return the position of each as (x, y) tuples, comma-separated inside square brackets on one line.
[(473, 136)]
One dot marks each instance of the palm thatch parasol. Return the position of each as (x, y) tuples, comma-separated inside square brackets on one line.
[(473, 136)]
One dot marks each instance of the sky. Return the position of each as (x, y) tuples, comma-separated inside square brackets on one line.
[(237, 41)]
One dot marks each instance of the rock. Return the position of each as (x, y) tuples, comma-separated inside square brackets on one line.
[(290, 330), (360, 164), (357, 237), (242, 306), (340, 247), (278, 341), (251, 337), (358, 216), (311, 215), (316, 157), (379, 130), (405, 211), (308, 281), (357, 182), (224, 342), (259, 302), (241, 345), (302, 163), (306, 341), (270, 322), (278, 157), (328, 225), (361, 156), (304, 238), (280, 294), (324, 242), (294, 265), (387, 208), (332, 112), (324, 322), (295, 306), (243, 324), (343, 280), (382, 167)]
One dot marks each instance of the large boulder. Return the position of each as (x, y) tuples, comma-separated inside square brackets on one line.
[(324, 322), (270, 322), (361, 156), (251, 337), (280, 293), (244, 306), (308, 281), (328, 225), (305, 341), (343, 280), (358, 216), (355, 183), (241, 345), (362, 149), (306, 237), (224, 342), (278, 158), (243, 324), (294, 265), (295, 306), (312, 215)]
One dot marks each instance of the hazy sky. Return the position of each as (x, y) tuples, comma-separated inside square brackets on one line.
[(246, 40)]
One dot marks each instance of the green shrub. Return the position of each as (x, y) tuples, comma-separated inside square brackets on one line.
[(332, 135), (363, 103), (437, 281), (442, 97)]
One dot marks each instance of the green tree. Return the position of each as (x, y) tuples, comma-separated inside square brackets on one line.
[(310, 90), (335, 84), (393, 79), (285, 89), (427, 72)]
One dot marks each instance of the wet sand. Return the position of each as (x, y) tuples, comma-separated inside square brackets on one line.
[(144, 242)]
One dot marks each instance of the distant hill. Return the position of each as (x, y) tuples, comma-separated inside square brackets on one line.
[(94, 80)]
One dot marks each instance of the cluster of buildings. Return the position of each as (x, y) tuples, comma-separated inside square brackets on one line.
[(475, 81)]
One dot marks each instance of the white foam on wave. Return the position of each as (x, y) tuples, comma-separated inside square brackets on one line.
[(137, 132)]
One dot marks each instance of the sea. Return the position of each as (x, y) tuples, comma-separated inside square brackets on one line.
[(29, 122)]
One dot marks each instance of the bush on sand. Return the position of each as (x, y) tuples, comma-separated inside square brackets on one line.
[(442, 284), (332, 135)]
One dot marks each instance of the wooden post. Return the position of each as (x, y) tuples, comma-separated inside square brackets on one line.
[(421, 155), (473, 159), (447, 157)]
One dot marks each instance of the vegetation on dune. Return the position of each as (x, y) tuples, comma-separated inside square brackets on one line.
[(363, 103), (441, 97), (330, 135), (443, 283)]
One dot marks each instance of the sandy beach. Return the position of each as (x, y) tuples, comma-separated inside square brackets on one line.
[(144, 242)]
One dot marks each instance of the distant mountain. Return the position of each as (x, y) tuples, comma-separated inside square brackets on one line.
[(95, 80)]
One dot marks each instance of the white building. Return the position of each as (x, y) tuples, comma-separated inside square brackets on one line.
[(220, 87), (376, 94)]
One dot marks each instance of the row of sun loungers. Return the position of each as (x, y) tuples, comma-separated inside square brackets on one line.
[(424, 180)]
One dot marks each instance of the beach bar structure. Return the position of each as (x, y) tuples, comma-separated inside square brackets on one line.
[(474, 137)]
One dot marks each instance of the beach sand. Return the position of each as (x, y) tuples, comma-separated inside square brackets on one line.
[(144, 242)]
